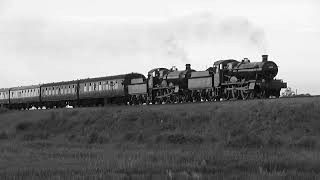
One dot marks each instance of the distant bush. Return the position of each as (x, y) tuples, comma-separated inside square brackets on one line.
[(25, 125), (179, 138), (275, 141), (93, 138), (4, 135), (306, 142), (245, 140), (96, 138), (3, 110), (134, 137), (39, 144), (30, 136)]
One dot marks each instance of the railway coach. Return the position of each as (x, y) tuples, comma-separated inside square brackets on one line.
[(107, 90), (24, 97), (4, 97), (59, 94)]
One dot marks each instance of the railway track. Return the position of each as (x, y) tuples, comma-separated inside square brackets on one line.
[(188, 103)]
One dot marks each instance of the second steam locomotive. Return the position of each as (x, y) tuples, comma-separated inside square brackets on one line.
[(226, 79)]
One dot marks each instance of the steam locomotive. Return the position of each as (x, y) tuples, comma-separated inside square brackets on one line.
[(226, 79)]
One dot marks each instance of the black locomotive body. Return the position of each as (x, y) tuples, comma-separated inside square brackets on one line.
[(245, 79), (226, 79), (166, 85)]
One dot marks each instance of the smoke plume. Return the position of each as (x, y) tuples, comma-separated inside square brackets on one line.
[(33, 45), (172, 38)]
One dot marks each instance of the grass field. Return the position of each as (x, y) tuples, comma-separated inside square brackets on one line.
[(260, 139)]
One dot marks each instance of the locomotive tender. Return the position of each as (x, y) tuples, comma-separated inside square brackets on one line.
[(226, 79)]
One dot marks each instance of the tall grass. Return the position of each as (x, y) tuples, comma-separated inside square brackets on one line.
[(237, 124), (262, 139)]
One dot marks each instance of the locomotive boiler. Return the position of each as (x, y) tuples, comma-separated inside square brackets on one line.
[(255, 70)]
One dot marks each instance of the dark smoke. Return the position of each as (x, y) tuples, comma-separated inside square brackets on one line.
[(175, 50), (207, 29)]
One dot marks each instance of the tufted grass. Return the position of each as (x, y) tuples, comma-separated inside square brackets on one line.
[(260, 139)]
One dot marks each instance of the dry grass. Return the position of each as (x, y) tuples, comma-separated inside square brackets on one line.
[(263, 139)]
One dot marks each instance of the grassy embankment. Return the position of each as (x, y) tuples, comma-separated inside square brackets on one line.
[(270, 139)]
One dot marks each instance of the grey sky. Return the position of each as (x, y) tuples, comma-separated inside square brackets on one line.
[(45, 41)]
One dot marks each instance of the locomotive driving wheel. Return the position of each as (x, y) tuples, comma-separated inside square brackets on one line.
[(233, 93), (247, 95)]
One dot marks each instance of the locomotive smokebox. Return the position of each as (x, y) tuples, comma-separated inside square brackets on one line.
[(264, 58), (188, 66)]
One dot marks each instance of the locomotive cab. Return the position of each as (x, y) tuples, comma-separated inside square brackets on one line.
[(155, 76), (221, 70)]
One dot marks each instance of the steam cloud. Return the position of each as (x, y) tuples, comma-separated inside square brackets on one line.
[(170, 38), (79, 49)]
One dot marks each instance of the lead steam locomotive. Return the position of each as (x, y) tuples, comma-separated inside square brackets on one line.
[(226, 79)]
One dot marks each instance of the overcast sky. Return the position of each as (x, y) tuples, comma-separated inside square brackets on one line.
[(44, 41)]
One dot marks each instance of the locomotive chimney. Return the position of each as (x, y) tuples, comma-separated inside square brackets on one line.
[(188, 66), (264, 58)]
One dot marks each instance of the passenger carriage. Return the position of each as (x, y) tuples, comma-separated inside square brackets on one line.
[(110, 89), (59, 94), (25, 97), (4, 97)]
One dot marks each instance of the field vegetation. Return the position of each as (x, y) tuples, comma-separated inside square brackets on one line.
[(258, 139)]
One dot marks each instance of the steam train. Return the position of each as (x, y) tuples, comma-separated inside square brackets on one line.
[(226, 79)]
